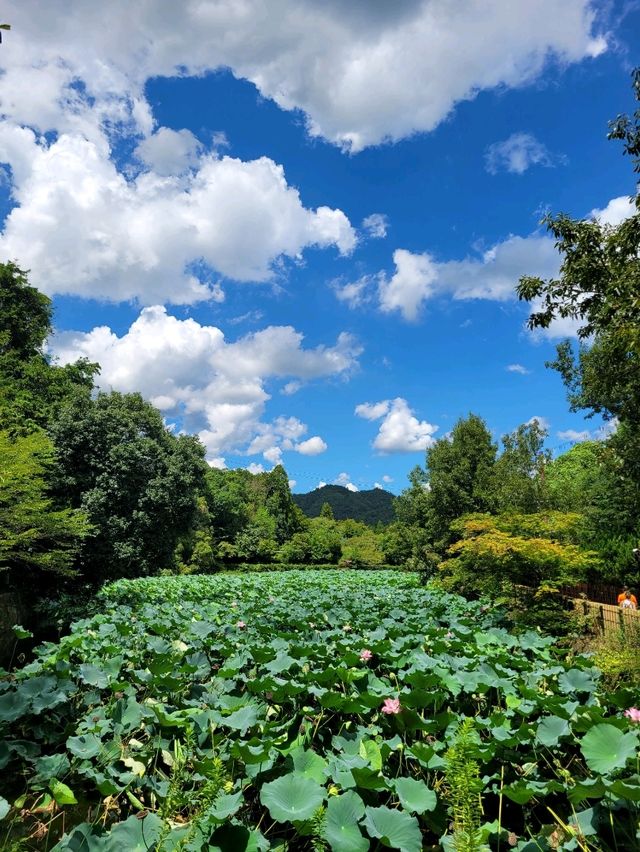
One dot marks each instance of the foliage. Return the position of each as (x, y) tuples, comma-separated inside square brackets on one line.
[(497, 554), (25, 314), (235, 712), (136, 482), (464, 789), (36, 538), (517, 476), (617, 655), (371, 507)]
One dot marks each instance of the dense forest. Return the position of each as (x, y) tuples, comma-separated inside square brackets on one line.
[(371, 507)]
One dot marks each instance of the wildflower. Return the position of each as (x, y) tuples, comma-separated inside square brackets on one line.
[(391, 706), (633, 713), (365, 655), (448, 635), (347, 627), (234, 603), (240, 624)]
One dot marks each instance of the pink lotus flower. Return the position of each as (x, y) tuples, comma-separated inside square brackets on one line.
[(448, 635), (365, 655), (240, 624), (633, 713), (391, 706)]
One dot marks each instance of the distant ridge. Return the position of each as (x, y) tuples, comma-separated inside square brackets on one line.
[(371, 507)]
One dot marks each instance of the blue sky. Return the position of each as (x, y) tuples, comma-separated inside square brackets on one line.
[(296, 228)]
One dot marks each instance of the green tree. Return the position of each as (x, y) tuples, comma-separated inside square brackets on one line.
[(459, 471), (326, 511), (518, 477), (38, 541), (137, 483), (25, 314), (32, 390)]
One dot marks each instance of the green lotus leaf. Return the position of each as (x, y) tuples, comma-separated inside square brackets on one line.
[(84, 746), (309, 764), (395, 829), (292, 797), (551, 729), (606, 748), (13, 705), (341, 830), (414, 795)]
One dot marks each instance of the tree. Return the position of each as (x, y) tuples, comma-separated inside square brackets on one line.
[(32, 390), (518, 475), (459, 471), (25, 314), (137, 483), (38, 541)]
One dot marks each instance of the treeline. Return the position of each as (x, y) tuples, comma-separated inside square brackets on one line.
[(95, 487)]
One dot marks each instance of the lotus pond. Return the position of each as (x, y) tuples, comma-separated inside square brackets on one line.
[(312, 710)]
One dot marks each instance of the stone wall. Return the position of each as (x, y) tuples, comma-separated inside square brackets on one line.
[(11, 612)]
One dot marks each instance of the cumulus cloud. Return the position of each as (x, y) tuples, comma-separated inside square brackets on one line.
[(411, 284), (372, 410), (169, 152), (543, 422), (400, 431), (518, 153), (517, 368), (616, 211), (345, 480), (362, 72), (386, 478), (376, 225), (214, 386), (356, 293), (311, 447), (83, 228), (574, 435), (491, 275)]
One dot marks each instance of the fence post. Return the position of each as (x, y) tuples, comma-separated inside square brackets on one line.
[(601, 619)]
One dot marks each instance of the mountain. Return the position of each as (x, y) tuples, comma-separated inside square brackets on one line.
[(371, 507)]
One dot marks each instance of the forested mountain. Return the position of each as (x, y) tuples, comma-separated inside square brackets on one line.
[(370, 507)]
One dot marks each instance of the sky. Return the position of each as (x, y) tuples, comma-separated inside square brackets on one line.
[(296, 228)]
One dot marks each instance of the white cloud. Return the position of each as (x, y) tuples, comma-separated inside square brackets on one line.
[(493, 275), (169, 152), (311, 447), (290, 388), (372, 410), (386, 478), (345, 480), (356, 293), (517, 368), (218, 463), (518, 153), (82, 228), (216, 387), (321, 484), (543, 422), (411, 284), (292, 484), (573, 435), (400, 431), (376, 225), (615, 212), (377, 485), (255, 468), (362, 72)]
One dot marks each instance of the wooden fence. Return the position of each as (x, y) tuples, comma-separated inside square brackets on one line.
[(608, 618)]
